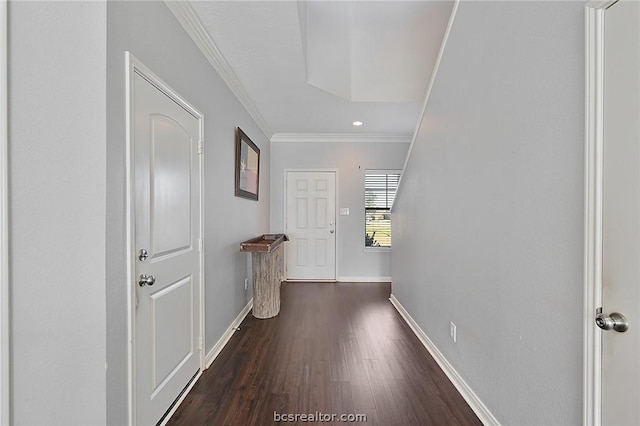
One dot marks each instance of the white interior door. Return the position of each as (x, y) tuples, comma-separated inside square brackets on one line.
[(621, 213), (310, 224), (166, 174)]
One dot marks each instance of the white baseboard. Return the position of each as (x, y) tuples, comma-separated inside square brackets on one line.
[(478, 407), (364, 279), (222, 342), (179, 401), (211, 356)]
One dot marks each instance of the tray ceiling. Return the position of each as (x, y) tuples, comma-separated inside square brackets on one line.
[(315, 67)]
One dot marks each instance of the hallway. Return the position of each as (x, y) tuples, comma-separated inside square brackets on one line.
[(334, 349)]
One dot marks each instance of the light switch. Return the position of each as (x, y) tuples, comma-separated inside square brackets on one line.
[(344, 211)]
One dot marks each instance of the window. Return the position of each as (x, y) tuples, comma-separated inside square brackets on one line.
[(379, 191)]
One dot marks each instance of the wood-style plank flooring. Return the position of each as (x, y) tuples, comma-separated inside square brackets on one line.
[(335, 348)]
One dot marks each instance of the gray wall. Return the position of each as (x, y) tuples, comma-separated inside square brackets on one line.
[(351, 160), (488, 223), (57, 98), (153, 35)]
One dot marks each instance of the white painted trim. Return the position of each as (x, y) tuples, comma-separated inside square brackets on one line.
[(376, 249), (369, 249), (5, 352), (431, 83), (129, 237), (337, 224), (211, 356), (132, 66), (593, 195), (364, 279), (382, 172), (203, 251), (478, 407), (233, 327), (179, 401), (340, 138), (187, 17)]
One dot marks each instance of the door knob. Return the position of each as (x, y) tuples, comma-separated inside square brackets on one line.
[(146, 280), (143, 254), (614, 321)]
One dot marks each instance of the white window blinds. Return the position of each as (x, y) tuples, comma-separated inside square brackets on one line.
[(380, 190)]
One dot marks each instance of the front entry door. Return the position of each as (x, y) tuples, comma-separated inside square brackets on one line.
[(310, 224), (621, 213), (166, 183)]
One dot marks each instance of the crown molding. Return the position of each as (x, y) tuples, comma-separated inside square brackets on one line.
[(187, 17), (341, 138), (423, 114)]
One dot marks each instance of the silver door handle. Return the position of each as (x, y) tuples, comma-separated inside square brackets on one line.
[(143, 254), (615, 321), (146, 280)]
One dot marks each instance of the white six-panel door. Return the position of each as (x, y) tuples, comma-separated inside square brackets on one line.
[(310, 224), (166, 182)]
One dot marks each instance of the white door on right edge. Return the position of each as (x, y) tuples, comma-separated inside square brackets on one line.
[(621, 213), (310, 224)]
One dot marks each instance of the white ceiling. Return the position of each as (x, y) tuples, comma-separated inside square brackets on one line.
[(290, 58)]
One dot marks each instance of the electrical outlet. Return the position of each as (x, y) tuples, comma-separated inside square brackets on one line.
[(452, 332), (246, 283)]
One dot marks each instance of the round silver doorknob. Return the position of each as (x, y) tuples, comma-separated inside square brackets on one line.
[(144, 280), (614, 321), (143, 254)]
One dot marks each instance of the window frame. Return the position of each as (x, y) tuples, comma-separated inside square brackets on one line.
[(364, 183)]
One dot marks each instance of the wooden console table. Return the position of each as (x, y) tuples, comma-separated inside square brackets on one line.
[(267, 260)]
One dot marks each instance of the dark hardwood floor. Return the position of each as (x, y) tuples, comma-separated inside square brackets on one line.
[(335, 349)]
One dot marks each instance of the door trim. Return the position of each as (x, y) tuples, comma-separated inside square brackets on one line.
[(134, 66), (5, 398), (284, 215), (593, 192)]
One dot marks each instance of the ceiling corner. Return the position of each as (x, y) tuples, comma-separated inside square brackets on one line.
[(188, 19)]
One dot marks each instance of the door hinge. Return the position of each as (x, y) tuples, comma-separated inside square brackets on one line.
[(200, 342), (200, 146), (200, 245)]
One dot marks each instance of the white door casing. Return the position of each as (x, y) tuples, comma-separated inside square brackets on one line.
[(165, 219), (612, 243), (310, 224), (4, 224)]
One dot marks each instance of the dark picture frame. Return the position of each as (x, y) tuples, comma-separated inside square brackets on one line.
[(247, 167)]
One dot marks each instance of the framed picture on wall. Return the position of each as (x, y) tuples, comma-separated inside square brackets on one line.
[(247, 166)]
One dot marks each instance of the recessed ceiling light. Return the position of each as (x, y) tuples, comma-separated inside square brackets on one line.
[(358, 123)]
